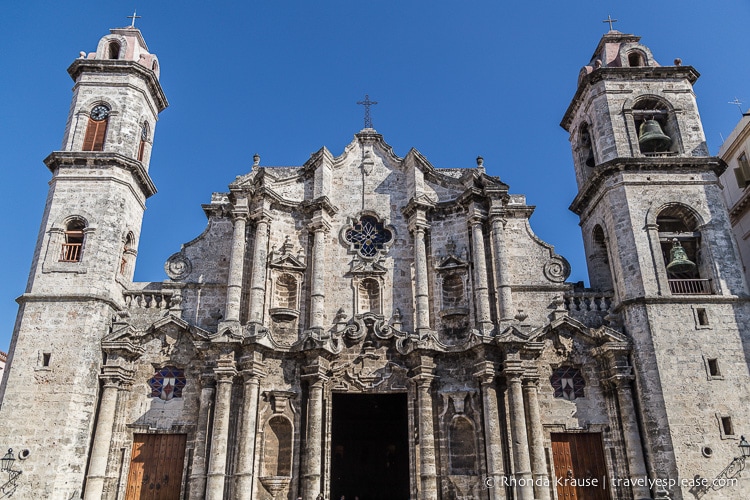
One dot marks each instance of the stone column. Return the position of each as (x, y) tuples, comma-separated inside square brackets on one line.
[(112, 377), (198, 474), (660, 270), (633, 447), (258, 278), (427, 469), (312, 463), (502, 270), (492, 430), (318, 229), (536, 438), (217, 463), (421, 288), (245, 471), (520, 442), (236, 266), (481, 288)]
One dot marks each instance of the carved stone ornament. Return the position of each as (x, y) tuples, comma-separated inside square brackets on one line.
[(557, 269), (178, 267)]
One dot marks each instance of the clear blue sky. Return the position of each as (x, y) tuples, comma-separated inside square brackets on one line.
[(454, 79)]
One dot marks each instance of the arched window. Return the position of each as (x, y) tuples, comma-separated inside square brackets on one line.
[(600, 272), (143, 141), (680, 242), (113, 50), (462, 446), (636, 59), (72, 247), (369, 296), (453, 291), (286, 292), (277, 449), (656, 127), (586, 149), (96, 130)]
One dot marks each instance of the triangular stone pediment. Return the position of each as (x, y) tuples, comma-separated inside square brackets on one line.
[(596, 336), (289, 263), (451, 262)]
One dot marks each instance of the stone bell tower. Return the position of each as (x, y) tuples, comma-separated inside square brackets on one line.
[(84, 259), (657, 235)]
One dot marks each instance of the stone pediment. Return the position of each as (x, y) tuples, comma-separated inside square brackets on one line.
[(451, 262), (594, 336), (129, 341), (289, 263)]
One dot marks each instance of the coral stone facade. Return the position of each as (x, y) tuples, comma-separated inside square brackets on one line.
[(370, 325)]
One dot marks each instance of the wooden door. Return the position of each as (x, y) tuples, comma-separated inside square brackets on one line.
[(580, 471), (156, 467)]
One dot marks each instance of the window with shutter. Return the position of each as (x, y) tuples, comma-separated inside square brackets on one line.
[(96, 130)]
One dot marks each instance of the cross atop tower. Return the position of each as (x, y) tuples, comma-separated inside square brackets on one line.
[(610, 21), (367, 103), (133, 18)]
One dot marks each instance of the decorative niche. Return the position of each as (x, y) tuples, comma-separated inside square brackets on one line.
[(452, 277), (453, 282), (287, 272)]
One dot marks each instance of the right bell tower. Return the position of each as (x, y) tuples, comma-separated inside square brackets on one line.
[(657, 235)]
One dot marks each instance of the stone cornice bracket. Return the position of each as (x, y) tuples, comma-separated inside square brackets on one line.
[(261, 214), (116, 376), (124, 347), (240, 214), (513, 369), (251, 365), (317, 371), (532, 349), (225, 372), (322, 203), (485, 371), (424, 368), (475, 218), (319, 223), (419, 223), (418, 207)]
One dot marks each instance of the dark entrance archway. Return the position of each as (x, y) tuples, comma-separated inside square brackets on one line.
[(369, 447)]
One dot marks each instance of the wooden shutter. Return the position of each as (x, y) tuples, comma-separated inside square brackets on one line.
[(141, 149), (96, 132)]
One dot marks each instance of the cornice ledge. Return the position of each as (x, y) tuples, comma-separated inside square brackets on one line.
[(667, 164), (118, 65), (85, 159)]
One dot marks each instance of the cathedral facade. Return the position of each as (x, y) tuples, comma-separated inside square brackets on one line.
[(372, 326)]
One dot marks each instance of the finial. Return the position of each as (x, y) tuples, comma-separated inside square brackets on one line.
[(82, 55), (367, 103), (256, 160), (678, 62), (610, 21), (133, 18), (480, 163)]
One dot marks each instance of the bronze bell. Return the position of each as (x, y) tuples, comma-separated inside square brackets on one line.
[(678, 260), (590, 159), (651, 139)]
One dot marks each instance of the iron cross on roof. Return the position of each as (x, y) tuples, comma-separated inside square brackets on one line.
[(133, 18), (610, 21), (367, 103)]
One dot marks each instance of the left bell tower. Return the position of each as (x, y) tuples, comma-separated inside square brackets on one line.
[(84, 259)]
